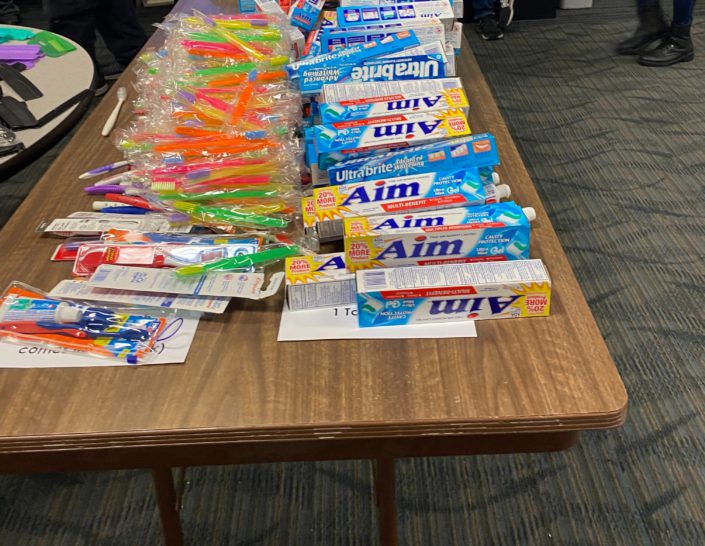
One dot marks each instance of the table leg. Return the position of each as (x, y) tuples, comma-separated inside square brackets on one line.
[(385, 489), (167, 502)]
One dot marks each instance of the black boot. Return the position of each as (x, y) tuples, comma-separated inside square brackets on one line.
[(677, 47), (652, 27)]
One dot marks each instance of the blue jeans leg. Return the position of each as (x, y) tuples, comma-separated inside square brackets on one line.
[(483, 8)]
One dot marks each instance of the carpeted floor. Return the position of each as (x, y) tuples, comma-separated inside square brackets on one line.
[(616, 152)]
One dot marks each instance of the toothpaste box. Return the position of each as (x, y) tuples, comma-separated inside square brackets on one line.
[(359, 16), (445, 293), (312, 72), (495, 232), (403, 194), (395, 103), (305, 13), (318, 281), (455, 37), (434, 50), (472, 151), (354, 93), (333, 142), (313, 40), (426, 31), (412, 67), (457, 5)]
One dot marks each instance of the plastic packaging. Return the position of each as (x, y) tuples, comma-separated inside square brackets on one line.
[(28, 315)]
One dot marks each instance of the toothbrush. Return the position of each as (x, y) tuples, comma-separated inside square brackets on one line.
[(110, 123)]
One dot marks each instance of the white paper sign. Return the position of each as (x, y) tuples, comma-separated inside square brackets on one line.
[(164, 281), (82, 291), (341, 323), (173, 348)]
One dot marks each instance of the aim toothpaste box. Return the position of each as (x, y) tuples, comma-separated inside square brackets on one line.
[(446, 293), (333, 142), (495, 232), (395, 103), (318, 281), (472, 151), (428, 191), (346, 101)]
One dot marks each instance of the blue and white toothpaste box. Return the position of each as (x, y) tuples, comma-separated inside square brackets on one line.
[(451, 293)]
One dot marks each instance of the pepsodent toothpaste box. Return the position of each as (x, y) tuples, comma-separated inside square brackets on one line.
[(318, 281), (445, 293), (495, 232), (395, 103), (471, 151), (312, 72), (404, 194), (333, 142), (358, 16), (305, 13)]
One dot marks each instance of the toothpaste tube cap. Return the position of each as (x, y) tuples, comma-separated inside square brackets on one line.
[(530, 213), (503, 191), (66, 313), (495, 178)]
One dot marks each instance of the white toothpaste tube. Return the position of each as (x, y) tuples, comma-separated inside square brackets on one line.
[(395, 102), (408, 12), (318, 281), (333, 142), (496, 232), (404, 194), (451, 293)]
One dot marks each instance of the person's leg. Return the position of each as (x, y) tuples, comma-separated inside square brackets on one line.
[(652, 27), (9, 12), (118, 25), (677, 47), (74, 19), (683, 12), (485, 12)]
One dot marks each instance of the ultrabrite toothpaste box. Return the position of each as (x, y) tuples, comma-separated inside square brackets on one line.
[(410, 67), (446, 293), (472, 151), (495, 232), (318, 281), (330, 143), (312, 72), (404, 194)]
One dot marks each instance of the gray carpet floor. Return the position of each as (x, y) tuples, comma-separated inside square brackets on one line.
[(616, 152)]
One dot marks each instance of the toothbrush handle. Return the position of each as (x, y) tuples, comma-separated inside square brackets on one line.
[(110, 122)]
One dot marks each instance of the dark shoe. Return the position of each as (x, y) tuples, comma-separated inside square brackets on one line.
[(506, 13), (100, 86), (652, 27), (112, 71), (676, 48), (488, 28)]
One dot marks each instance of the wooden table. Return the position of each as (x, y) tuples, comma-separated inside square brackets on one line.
[(47, 75), (241, 397)]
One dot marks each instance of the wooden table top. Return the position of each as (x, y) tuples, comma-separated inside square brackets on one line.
[(239, 383)]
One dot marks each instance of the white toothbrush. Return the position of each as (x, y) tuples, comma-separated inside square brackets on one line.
[(110, 123)]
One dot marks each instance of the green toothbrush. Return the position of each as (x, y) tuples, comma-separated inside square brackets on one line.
[(240, 262)]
